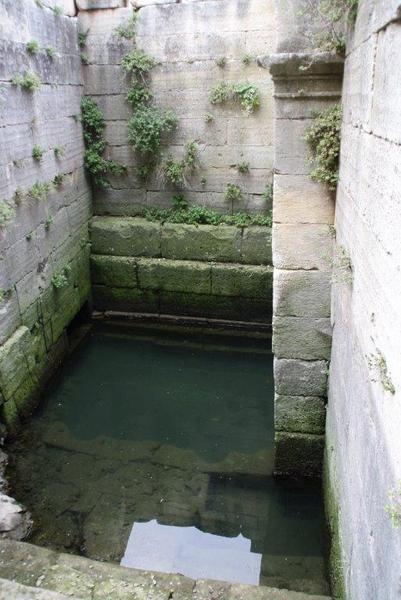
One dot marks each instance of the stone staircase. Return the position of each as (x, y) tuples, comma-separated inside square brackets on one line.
[(216, 272), (29, 572)]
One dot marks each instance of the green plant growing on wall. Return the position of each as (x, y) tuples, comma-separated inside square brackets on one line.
[(82, 37), (29, 81), (93, 126), (18, 196), (60, 280), (57, 11), (39, 3), (393, 509), (146, 128), (84, 58), (221, 62), (137, 63), (58, 180), (202, 215), (209, 118), (175, 171), (128, 30), (6, 214), (29, 236), (203, 181), (233, 193), (243, 168), (48, 222), (37, 153), (268, 194), (246, 94), (59, 151), (39, 191), (138, 95), (32, 47), (323, 138), (50, 52), (326, 20)]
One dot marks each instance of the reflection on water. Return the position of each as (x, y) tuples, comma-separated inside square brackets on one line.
[(191, 552), (176, 429)]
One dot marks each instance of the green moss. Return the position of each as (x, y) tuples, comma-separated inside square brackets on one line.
[(29, 81), (202, 215), (37, 153), (6, 214), (32, 47), (39, 191)]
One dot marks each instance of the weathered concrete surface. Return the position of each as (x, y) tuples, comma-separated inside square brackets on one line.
[(44, 236), (83, 579), (364, 409), (186, 39), (16, 591)]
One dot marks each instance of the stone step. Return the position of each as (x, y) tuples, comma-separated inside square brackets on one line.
[(182, 287), (134, 236), (84, 579)]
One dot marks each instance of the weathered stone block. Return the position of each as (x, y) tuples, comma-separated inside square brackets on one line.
[(301, 337), (99, 4), (14, 366), (299, 454), (125, 299), (203, 242), (256, 246), (125, 236), (114, 271), (245, 281), (174, 275), (301, 293), (298, 199), (300, 377), (302, 414), (302, 246)]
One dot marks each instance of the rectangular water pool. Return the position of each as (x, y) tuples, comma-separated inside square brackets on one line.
[(155, 448)]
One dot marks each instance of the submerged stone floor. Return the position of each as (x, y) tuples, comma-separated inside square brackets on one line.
[(38, 569)]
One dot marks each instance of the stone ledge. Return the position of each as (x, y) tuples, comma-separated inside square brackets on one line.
[(301, 65), (299, 454), (85, 579)]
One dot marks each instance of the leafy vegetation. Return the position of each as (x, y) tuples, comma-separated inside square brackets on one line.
[(246, 94), (51, 53), (57, 10), (137, 63), (128, 30), (18, 196), (175, 171), (29, 81), (209, 118), (247, 59), (327, 19), (221, 62), (243, 168), (39, 191), (268, 194), (6, 214), (202, 215), (58, 180), (84, 58), (48, 222), (146, 127), (37, 153), (93, 126), (32, 47), (393, 509), (60, 280), (323, 137), (82, 37), (59, 151), (233, 193), (138, 95)]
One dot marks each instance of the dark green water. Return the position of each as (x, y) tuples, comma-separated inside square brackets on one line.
[(173, 427)]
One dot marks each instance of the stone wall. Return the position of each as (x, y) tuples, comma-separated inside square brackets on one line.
[(305, 82), (364, 408), (208, 271), (186, 39), (44, 275)]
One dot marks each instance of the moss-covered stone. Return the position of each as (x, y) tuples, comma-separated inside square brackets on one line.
[(14, 366), (302, 414), (174, 275), (125, 299), (114, 271), (200, 305), (299, 454), (201, 242), (9, 416), (125, 236), (245, 281), (256, 246)]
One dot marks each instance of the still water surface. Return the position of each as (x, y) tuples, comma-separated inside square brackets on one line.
[(156, 449)]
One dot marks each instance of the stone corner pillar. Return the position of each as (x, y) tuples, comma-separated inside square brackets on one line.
[(303, 216)]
